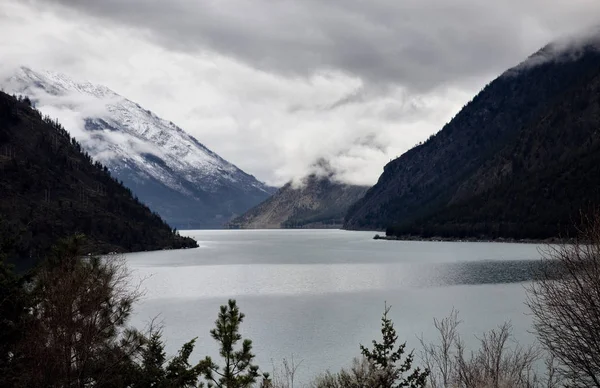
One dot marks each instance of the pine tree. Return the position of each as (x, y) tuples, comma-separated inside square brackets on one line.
[(180, 373), (238, 371), (151, 371), (387, 363), (155, 372)]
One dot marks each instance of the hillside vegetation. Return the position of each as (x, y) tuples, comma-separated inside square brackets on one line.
[(51, 189), (519, 161), (179, 178), (316, 202)]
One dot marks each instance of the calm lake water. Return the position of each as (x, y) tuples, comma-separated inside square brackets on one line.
[(317, 294)]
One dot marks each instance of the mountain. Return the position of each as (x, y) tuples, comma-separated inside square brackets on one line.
[(50, 188), (520, 160), (317, 202), (169, 170)]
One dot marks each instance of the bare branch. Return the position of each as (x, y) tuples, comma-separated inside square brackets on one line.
[(565, 304)]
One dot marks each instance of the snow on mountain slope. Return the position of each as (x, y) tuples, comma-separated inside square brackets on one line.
[(181, 179)]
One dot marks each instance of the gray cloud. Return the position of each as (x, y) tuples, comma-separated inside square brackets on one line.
[(276, 85), (566, 48), (418, 44)]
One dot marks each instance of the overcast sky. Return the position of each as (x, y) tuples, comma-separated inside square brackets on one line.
[(274, 85)]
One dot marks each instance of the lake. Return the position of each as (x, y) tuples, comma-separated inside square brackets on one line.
[(317, 294)]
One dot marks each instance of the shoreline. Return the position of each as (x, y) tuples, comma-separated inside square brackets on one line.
[(553, 240)]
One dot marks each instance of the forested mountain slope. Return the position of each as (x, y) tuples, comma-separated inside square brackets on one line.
[(316, 202), (189, 185), (546, 176), (50, 188), (518, 161)]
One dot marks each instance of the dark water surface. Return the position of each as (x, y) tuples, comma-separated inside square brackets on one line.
[(317, 294)]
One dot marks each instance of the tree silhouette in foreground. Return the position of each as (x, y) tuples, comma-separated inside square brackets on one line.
[(565, 304), (77, 332), (154, 370), (387, 361), (238, 370), (381, 367)]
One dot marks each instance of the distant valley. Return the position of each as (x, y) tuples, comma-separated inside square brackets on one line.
[(314, 202), (519, 161)]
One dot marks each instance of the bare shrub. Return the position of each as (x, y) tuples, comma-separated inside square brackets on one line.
[(284, 375), (440, 358), (499, 362), (78, 334), (565, 304), (361, 374)]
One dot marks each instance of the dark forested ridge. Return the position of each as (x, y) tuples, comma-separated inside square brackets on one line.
[(318, 202), (179, 178), (519, 161), (50, 188)]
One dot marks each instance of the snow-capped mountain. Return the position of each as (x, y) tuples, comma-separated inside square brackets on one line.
[(186, 183)]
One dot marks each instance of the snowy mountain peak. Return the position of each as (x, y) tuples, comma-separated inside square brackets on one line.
[(60, 82), (143, 150)]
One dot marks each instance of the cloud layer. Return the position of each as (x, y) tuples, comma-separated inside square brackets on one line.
[(273, 86)]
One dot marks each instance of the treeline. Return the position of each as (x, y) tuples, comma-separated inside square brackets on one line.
[(51, 188), (538, 205), (524, 151), (65, 324), (544, 179)]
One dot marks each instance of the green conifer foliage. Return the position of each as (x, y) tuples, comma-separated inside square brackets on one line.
[(151, 370), (238, 370), (388, 363)]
